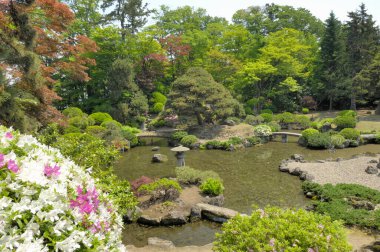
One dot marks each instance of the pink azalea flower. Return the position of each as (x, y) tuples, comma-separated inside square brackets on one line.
[(52, 171), (271, 242), (9, 135), (86, 202), (12, 166)]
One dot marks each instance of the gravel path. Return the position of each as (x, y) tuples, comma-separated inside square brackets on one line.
[(350, 171)]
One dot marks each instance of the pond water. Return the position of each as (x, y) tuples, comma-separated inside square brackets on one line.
[(250, 176)]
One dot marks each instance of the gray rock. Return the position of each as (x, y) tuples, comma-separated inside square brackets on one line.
[(321, 161), (309, 195), (215, 201), (155, 148), (339, 159), (229, 122), (354, 143), (302, 141), (378, 165), (296, 172), (215, 213), (148, 220), (284, 168), (309, 177), (361, 204), (373, 161), (346, 143), (326, 127), (159, 158), (297, 157), (371, 169), (160, 243), (132, 215), (175, 218), (196, 214)]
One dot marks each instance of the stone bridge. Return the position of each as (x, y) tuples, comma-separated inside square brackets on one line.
[(284, 135), (164, 133)]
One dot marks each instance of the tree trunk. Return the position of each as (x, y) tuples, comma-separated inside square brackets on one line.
[(353, 102), (331, 103), (377, 111), (199, 118)]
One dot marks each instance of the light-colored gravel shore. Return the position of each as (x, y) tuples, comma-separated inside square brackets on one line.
[(351, 171)]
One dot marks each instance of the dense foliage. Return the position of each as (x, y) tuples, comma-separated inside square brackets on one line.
[(188, 175), (275, 229), (49, 202), (348, 202), (212, 187)]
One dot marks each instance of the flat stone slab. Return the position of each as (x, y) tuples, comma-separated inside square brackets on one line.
[(215, 213)]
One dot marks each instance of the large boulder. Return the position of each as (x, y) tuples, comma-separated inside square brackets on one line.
[(306, 176), (160, 243), (175, 218), (297, 157), (149, 220), (296, 171), (155, 148), (159, 158), (371, 169), (215, 213), (215, 201)]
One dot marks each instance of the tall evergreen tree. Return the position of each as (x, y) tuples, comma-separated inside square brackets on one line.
[(332, 59), (362, 40), (131, 14)]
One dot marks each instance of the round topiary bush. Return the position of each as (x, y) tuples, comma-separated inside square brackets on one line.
[(100, 117), (309, 132), (267, 117), (266, 111), (111, 124), (275, 127), (305, 111), (96, 130), (350, 134), (80, 122), (48, 203), (285, 117), (157, 108), (72, 112), (189, 140), (212, 186), (319, 141), (347, 113), (276, 229), (262, 130), (177, 136), (338, 141), (343, 122)]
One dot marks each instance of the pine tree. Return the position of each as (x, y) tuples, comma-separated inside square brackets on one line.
[(332, 59), (362, 40)]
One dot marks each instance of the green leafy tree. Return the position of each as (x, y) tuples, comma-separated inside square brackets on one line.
[(126, 100), (196, 94)]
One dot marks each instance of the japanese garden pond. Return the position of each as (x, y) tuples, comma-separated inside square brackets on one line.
[(250, 176)]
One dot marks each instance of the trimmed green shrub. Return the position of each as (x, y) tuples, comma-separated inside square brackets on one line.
[(343, 122), (161, 184), (303, 121), (132, 138), (189, 140), (267, 117), (131, 129), (111, 124), (157, 108), (347, 113), (319, 141), (377, 138), (309, 132), (253, 120), (285, 117), (72, 112), (157, 97), (305, 111), (276, 229), (100, 117), (192, 176), (345, 202), (266, 111), (214, 144), (96, 130), (212, 187), (337, 141), (235, 140), (350, 134), (262, 130), (253, 140), (177, 136), (80, 122), (72, 129), (275, 127)]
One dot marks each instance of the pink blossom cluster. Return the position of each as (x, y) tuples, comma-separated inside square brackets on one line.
[(100, 226), (87, 202), (11, 164), (52, 171)]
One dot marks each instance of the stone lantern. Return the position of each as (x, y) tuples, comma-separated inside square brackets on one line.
[(180, 155)]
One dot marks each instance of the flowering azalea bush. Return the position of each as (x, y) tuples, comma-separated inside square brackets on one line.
[(275, 229), (47, 202), (262, 130)]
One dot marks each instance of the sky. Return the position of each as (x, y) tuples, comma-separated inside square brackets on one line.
[(319, 8)]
